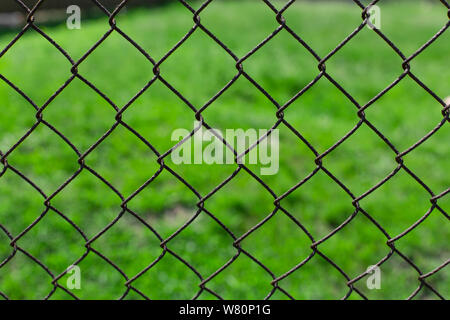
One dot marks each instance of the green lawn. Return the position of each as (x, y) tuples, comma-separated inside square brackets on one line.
[(199, 69)]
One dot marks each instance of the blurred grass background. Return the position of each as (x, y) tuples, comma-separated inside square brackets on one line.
[(199, 69)]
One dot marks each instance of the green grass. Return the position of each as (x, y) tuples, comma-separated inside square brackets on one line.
[(199, 69)]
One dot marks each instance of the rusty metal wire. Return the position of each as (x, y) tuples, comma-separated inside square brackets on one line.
[(197, 113)]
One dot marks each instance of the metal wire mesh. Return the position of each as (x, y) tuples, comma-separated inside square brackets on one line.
[(197, 114)]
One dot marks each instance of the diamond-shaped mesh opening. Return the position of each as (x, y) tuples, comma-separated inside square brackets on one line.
[(365, 253), (90, 216), (230, 212), (405, 100), (13, 127), (21, 203), (395, 23), (318, 217), (336, 19), (106, 75), (257, 16), (47, 170), (282, 253), (227, 112), (414, 243), (165, 198), (429, 165), (199, 46), (314, 115), (53, 241), (17, 65), (292, 66), (99, 279), (194, 244), (126, 169), (129, 240), (158, 281), (35, 285), (398, 203)]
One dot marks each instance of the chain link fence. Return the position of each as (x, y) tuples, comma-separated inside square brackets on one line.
[(198, 114)]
